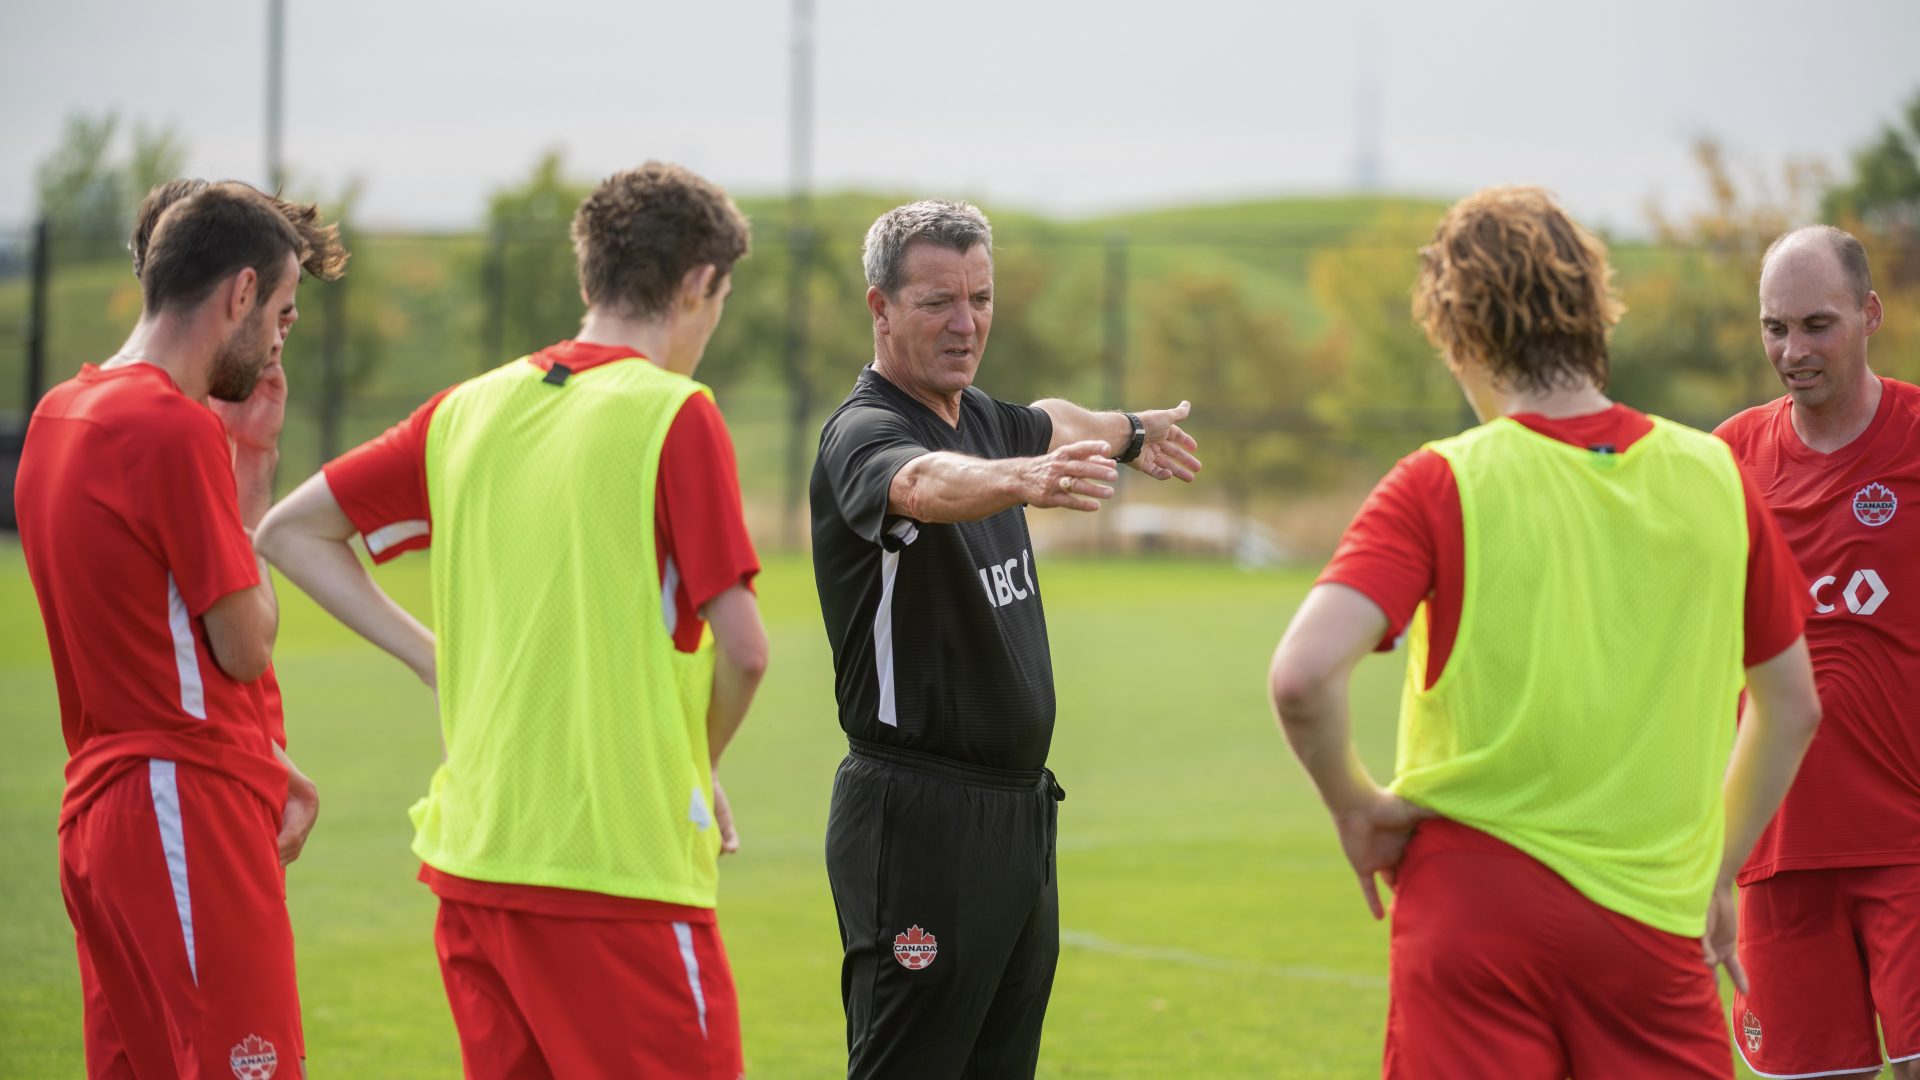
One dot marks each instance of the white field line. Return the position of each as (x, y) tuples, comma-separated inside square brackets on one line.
[(1080, 939)]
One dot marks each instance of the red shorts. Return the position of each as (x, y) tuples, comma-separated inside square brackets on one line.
[(1824, 951), (172, 879), (1501, 968), (548, 996)]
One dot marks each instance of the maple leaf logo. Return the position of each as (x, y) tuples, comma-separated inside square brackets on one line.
[(253, 1058), (915, 949), (1874, 504), (1750, 1025)]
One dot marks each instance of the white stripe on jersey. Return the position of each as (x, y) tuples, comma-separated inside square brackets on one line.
[(186, 659), (906, 532), (669, 607), (386, 536)]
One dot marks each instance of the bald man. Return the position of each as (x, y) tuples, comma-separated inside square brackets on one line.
[(1830, 901)]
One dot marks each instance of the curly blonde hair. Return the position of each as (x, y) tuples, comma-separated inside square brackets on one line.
[(1512, 282)]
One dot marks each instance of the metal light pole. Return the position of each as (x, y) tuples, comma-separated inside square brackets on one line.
[(276, 98), (799, 268)]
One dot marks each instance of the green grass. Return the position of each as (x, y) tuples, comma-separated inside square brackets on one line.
[(1210, 924)]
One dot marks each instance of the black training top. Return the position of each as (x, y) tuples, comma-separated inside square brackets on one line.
[(939, 637)]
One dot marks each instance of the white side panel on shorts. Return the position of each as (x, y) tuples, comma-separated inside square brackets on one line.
[(384, 537), (684, 935), (1855, 1071), (670, 584), (165, 786), (906, 532), (186, 659)]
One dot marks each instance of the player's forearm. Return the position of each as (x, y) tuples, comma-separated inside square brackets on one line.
[(253, 480), (1318, 728), (253, 472), (1783, 711), (740, 662), (945, 487), (329, 570), (1073, 423), (1312, 668), (734, 685)]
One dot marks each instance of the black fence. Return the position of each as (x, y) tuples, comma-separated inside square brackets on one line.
[(1294, 343)]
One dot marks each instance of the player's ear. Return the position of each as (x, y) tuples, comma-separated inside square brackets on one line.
[(877, 304), (696, 285), (240, 293), (1874, 312)]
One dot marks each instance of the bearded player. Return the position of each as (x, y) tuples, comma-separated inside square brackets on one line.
[(1584, 588), (254, 426), (134, 499), (1830, 900)]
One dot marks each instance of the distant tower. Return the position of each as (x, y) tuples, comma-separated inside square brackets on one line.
[(1366, 126)]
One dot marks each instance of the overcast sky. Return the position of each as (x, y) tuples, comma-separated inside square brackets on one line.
[(1076, 108)]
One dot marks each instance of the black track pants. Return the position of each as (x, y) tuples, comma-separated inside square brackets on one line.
[(943, 878)]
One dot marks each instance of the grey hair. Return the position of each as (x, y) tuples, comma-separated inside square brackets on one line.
[(957, 225), (1845, 247)]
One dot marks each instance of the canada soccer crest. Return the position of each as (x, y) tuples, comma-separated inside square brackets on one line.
[(253, 1059), (1750, 1026), (1875, 504), (914, 949)]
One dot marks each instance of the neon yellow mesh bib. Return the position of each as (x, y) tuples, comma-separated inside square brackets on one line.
[(576, 735), (1586, 712)]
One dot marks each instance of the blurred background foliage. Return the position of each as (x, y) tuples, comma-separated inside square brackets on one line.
[(1284, 321)]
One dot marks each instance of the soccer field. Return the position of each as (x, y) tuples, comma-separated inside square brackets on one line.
[(1209, 925)]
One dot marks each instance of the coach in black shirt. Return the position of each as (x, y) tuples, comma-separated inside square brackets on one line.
[(940, 838)]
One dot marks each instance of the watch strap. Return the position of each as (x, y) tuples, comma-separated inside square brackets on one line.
[(1134, 442)]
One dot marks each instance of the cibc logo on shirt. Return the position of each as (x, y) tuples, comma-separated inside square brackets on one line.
[(1864, 594), (1003, 581), (1874, 504)]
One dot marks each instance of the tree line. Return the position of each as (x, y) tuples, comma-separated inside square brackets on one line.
[(1285, 322)]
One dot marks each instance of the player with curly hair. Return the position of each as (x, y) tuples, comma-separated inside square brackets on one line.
[(1581, 586)]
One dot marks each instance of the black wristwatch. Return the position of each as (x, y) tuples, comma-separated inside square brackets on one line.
[(1134, 444)]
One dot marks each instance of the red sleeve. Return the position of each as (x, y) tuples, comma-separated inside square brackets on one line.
[(195, 507), (382, 485), (1777, 597), (698, 516), (1396, 549)]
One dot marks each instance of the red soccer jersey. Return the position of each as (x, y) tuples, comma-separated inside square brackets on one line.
[(1406, 545), (700, 540), (130, 523), (1856, 800)]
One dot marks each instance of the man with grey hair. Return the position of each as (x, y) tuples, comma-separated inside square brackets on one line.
[(941, 835), (1830, 899)]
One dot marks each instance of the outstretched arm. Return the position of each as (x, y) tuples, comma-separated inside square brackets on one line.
[(1334, 629), (1167, 453), (946, 487), (305, 537)]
